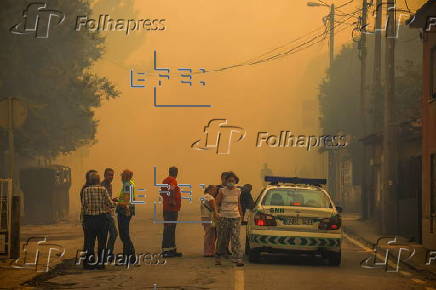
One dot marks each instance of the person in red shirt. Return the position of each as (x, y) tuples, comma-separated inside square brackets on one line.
[(171, 207)]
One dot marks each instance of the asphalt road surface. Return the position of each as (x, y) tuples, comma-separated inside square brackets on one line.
[(193, 271)]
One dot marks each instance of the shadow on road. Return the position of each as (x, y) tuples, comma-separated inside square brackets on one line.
[(292, 259)]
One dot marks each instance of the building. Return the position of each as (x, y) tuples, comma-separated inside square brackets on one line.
[(425, 20), (408, 196), (341, 183)]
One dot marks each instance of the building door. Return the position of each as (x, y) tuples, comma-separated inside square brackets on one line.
[(410, 198)]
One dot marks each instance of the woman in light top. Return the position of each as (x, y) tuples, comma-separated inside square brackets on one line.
[(207, 209), (229, 214)]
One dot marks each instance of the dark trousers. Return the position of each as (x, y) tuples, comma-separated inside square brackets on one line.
[(169, 231), (113, 233), (124, 231), (84, 235), (95, 227)]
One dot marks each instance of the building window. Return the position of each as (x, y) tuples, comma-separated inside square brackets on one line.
[(433, 74)]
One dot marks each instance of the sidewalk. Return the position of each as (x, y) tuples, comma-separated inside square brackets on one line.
[(67, 234), (366, 232)]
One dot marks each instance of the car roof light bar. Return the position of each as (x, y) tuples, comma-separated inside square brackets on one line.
[(295, 180)]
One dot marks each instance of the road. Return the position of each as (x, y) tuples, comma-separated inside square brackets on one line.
[(193, 271)]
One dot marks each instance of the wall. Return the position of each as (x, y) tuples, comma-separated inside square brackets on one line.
[(429, 141)]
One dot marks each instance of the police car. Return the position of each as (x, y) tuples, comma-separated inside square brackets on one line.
[(294, 215)]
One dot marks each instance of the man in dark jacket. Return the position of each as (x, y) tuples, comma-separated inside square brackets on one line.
[(247, 201), (113, 233)]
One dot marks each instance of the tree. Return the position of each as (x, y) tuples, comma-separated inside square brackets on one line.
[(339, 93), (54, 77)]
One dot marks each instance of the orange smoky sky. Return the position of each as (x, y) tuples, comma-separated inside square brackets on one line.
[(272, 96)]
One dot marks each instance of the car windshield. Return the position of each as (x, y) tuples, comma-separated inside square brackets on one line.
[(296, 197)]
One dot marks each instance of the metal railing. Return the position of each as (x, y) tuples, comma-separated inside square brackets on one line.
[(5, 217)]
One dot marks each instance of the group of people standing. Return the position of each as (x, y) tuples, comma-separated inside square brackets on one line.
[(222, 210), (98, 217)]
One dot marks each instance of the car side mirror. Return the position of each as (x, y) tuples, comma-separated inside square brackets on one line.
[(339, 209)]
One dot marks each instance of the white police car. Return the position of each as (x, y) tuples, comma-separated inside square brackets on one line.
[(294, 215)]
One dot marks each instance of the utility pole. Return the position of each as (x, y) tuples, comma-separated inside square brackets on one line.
[(389, 196), (13, 114), (332, 176), (332, 33), (11, 140), (14, 230), (331, 19), (377, 64), (363, 114), (375, 99), (332, 155)]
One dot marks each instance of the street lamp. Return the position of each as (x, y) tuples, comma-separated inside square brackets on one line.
[(313, 4), (332, 24)]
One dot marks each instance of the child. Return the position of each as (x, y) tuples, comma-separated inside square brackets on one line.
[(207, 208)]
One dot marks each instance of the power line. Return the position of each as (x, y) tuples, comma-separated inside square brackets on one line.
[(313, 39), (407, 6), (262, 57), (290, 42), (298, 48)]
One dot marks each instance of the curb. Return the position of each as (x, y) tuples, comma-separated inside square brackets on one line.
[(429, 274)]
